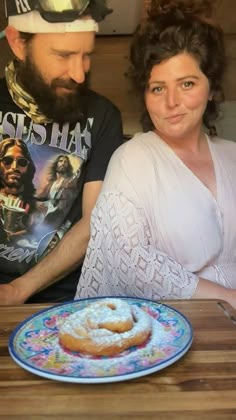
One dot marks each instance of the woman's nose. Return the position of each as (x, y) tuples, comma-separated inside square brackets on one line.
[(172, 98)]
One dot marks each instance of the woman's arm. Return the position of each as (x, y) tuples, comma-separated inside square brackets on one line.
[(208, 290), (121, 259)]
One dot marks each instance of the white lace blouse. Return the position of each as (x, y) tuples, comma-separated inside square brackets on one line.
[(156, 228)]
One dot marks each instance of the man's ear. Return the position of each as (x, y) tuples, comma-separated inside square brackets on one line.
[(16, 43)]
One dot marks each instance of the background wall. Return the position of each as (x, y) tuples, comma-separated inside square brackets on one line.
[(110, 64), (4, 50)]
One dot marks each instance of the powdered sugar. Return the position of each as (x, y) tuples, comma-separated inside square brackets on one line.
[(96, 323)]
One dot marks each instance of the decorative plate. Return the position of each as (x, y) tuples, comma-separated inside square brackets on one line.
[(35, 347)]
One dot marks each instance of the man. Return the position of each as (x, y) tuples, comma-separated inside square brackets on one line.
[(45, 101)]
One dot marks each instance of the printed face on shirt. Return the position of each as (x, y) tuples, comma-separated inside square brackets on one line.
[(13, 170), (176, 97), (55, 71), (62, 165)]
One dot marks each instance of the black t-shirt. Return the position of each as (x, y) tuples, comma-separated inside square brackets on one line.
[(57, 160)]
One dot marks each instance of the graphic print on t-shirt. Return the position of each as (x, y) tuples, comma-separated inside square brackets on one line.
[(40, 180)]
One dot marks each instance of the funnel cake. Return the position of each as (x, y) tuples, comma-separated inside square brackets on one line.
[(105, 328)]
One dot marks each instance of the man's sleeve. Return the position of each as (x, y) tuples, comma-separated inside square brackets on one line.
[(108, 138)]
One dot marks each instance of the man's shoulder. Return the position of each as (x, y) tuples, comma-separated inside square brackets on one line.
[(3, 88), (6, 102), (3, 82), (102, 103)]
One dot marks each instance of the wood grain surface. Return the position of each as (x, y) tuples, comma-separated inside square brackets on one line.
[(201, 385)]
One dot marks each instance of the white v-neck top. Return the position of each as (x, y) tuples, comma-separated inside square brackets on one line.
[(157, 228)]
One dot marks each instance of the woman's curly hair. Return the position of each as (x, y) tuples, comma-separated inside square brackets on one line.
[(170, 28)]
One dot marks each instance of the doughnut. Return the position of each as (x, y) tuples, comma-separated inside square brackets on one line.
[(105, 328)]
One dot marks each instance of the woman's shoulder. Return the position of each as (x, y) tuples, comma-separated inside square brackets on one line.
[(133, 158), (138, 145), (224, 144), (225, 149)]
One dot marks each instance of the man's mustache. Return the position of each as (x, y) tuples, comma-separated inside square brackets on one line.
[(13, 172), (67, 84)]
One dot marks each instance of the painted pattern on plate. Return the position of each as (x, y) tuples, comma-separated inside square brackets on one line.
[(35, 344)]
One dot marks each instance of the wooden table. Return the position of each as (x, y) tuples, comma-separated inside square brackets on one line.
[(201, 385)]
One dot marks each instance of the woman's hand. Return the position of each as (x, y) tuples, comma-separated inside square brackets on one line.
[(207, 289)]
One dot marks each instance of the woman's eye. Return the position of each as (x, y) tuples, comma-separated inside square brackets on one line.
[(188, 84), (157, 89)]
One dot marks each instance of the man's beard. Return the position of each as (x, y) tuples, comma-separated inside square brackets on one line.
[(9, 183), (69, 107), (62, 170)]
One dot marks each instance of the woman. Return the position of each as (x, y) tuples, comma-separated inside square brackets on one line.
[(164, 225)]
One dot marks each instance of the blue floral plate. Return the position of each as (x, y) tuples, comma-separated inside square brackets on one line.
[(35, 347)]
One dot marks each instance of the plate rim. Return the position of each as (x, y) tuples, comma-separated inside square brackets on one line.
[(103, 379)]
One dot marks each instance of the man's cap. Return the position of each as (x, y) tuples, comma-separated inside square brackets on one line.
[(55, 16)]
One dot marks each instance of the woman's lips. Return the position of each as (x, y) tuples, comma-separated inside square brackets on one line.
[(175, 118)]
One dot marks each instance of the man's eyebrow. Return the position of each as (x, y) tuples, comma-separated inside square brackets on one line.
[(69, 52), (57, 51)]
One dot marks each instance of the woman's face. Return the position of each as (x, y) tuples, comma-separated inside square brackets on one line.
[(176, 98)]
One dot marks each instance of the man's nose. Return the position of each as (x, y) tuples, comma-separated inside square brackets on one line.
[(76, 70), (14, 164)]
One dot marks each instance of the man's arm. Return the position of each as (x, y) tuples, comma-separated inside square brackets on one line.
[(63, 259)]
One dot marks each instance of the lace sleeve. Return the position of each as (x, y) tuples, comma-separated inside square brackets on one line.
[(121, 260)]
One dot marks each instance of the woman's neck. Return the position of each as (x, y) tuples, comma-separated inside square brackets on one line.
[(194, 144)]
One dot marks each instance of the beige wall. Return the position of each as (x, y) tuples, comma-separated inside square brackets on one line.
[(4, 50), (224, 12)]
